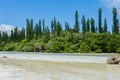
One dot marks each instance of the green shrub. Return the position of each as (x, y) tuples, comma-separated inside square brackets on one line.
[(28, 47), (56, 47), (1, 49), (39, 47), (118, 50), (24, 41), (9, 47), (18, 47), (98, 51), (84, 48), (68, 48)]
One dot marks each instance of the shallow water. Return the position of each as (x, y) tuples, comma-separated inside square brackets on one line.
[(14, 73), (57, 57), (56, 70)]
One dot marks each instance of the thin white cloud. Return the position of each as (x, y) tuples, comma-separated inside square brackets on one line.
[(4, 27), (8, 28), (112, 3)]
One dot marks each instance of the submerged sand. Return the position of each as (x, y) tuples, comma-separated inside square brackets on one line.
[(29, 69)]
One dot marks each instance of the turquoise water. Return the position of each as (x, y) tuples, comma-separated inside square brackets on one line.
[(14, 73), (93, 58)]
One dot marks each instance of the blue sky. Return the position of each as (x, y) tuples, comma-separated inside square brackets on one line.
[(15, 12)]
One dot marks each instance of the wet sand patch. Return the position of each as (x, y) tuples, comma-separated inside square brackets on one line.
[(57, 70)]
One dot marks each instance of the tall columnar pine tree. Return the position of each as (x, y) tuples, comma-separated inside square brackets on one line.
[(92, 25), (59, 28), (46, 34), (29, 30), (115, 21), (88, 25), (118, 25), (43, 24), (0, 36), (5, 36), (105, 26), (52, 26), (67, 27), (12, 35), (84, 26), (55, 24), (23, 33), (100, 20), (76, 26), (15, 34), (40, 28), (37, 31)]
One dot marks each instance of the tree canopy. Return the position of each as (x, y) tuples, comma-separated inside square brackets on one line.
[(84, 37)]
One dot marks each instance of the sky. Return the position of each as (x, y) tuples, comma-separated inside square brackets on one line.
[(15, 12)]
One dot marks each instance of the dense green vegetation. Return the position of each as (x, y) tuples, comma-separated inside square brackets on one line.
[(81, 38)]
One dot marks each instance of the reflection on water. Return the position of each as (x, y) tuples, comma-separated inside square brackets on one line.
[(14, 73), (8, 72), (109, 76), (96, 58)]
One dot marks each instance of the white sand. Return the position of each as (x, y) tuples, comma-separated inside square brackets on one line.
[(58, 68)]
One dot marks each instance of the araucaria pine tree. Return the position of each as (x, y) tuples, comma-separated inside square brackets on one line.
[(29, 30), (105, 26), (115, 21), (100, 20), (88, 25), (76, 26), (84, 26), (92, 25)]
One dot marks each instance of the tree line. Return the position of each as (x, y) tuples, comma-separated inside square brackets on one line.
[(78, 39)]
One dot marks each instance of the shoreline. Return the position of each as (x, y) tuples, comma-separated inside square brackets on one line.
[(66, 57), (65, 69)]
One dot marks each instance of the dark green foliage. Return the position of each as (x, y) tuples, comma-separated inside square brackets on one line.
[(22, 34), (15, 34), (56, 47), (105, 26), (118, 50), (113, 43), (76, 26), (115, 21), (52, 26), (59, 40), (84, 26), (55, 24), (37, 31), (0, 35), (88, 25), (29, 30), (100, 20), (59, 28), (84, 48), (68, 48), (98, 51), (43, 25), (46, 34), (9, 47), (92, 25), (67, 27), (28, 47), (40, 29), (5, 37)]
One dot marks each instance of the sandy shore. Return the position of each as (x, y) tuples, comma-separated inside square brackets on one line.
[(29, 69)]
